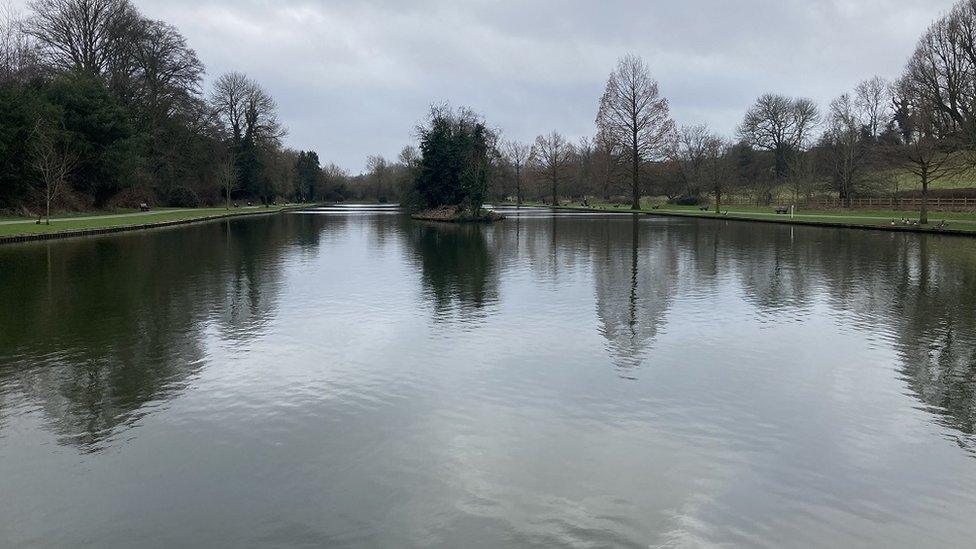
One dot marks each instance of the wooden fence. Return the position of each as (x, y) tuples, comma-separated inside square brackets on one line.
[(879, 203)]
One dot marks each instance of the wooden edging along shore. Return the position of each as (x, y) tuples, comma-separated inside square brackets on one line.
[(836, 225), (31, 237)]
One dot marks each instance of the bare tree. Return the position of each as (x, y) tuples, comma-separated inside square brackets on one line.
[(334, 182), (245, 109), (229, 99), (81, 35), (845, 144), (693, 145), (608, 162), (941, 72), (405, 170), (636, 116), (925, 153), (18, 52), (225, 171), (584, 154), (517, 154), (378, 168), (167, 72), (53, 161), (409, 156), (781, 125), (721, 168), (872, 100), (550, 155)]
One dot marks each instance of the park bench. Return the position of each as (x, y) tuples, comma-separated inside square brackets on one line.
[(782, 210), (703, 208), (143, 207)]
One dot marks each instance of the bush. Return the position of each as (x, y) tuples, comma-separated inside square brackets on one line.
[(131, 198), (183, 197), (688, 200)]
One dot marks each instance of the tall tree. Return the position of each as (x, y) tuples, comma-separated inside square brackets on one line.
[(550, 155), (694, 144), (940, 73), (872, 100), (638, 118), (719, 167), (250, 116), (607, 160), (846, 144), (19, 55), (308, 171), (517, 154), (165, 71), (925, 152), (781, 125), (457, 157), (82, 35), (378, 169)]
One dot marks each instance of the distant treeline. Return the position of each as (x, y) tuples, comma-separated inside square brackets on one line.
[(102, 107), (883, 138)]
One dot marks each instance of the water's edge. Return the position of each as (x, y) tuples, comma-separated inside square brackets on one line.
[(830, 224), (14, 239)]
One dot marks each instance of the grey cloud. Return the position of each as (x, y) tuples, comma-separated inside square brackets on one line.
[(354, 77)]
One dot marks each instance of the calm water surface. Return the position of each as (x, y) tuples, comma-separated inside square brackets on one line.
[(353, 378)]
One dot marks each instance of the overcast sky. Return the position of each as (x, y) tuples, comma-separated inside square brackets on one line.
[(354, 77)]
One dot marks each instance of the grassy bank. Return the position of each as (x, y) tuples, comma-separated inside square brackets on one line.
[(955, 222), (22, 226)]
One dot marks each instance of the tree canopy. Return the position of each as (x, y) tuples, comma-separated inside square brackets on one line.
[(457, 155)]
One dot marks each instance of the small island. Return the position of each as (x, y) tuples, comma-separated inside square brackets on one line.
[(458, 155), (457, 214)]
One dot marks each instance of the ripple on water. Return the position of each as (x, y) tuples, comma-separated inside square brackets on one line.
[(345, 377)]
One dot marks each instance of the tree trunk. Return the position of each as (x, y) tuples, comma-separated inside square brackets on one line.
[(635, 183), (718, 199), (48, 204), (923, 217), (555, 198), (518, 187)]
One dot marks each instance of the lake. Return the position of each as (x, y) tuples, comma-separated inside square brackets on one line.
[(347, 377)]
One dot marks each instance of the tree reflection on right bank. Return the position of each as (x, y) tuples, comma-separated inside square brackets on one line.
[(915, 290)]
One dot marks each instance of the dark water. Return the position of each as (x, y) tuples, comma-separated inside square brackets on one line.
[(358, 379)]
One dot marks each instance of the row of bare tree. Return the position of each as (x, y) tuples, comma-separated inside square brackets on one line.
[(920, 127)]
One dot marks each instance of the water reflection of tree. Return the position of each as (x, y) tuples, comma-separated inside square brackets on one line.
[(915, 290), (934, 314), (95, 329), (457, 264), (636, 277)]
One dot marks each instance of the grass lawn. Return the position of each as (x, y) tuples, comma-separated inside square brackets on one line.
[(19, 226), (876, 218), (66, 215)]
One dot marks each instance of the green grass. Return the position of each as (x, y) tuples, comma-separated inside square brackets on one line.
[(907, 181), (65, 215), (868, 218), (21, 226)]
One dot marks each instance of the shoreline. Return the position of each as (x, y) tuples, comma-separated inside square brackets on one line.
[(95, 231), (452, 214), (734, 217)]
